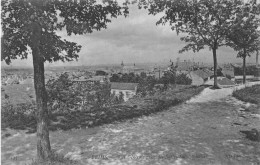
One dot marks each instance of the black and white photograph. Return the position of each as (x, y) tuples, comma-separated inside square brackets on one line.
[(130, 82)]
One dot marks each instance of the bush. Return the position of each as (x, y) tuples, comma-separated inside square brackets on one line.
[(183, 79), (146, 86), (18, 117)]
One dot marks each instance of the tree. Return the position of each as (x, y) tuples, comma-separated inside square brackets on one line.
[(125, 78), (143, 75), (115, 78), (244, 36), (203, 21), (168, 78), (61, 94), (33, 24), (103, 95), (101, 73), (131, 77)]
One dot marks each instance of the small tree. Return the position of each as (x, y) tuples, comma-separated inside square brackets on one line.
[(203, 21), (244, 36), (143, 75), (168, 78), (101, 73), (115, 78)]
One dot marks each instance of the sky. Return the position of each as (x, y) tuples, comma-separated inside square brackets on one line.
[(135, 39)]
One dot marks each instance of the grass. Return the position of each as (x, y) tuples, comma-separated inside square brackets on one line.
[(249, 94), (56, 159), (16, 118), (17, 94)]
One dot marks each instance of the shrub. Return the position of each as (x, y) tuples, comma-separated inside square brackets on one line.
[(183, 79), (19, 116)]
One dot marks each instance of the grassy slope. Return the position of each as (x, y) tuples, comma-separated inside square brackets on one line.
[(249, 94)]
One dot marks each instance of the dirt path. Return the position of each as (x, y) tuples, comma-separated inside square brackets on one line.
[(200, 131)]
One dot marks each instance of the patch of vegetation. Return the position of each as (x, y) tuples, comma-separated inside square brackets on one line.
[(64, 95), (20, 118), (249, 94), (56, 159), (183, 79)]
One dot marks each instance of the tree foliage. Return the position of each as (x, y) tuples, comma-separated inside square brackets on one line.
[(76, 17), (61, 94), (100, 73), (202, 22), (66, 96), (244, 35)]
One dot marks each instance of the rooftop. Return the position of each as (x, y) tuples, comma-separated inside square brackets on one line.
[(124, 86), (203, 73)]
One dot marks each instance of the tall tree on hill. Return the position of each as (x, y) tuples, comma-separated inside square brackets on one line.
[(33, 24), (204, 22), (244, 36)]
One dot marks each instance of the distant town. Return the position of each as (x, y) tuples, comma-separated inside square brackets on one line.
[(200, 73)]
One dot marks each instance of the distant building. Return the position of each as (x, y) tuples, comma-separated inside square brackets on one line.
[(184, 67), (98, 79), (228, 71), (130, 69), (199, 77), (128, 89), (80, 80), (159, 71)]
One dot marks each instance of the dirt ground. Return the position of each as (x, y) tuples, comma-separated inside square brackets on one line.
[(204, 130)]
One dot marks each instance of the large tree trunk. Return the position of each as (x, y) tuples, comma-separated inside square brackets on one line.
[(43, 142), (215, 68), (244, 69), (257, 54)]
